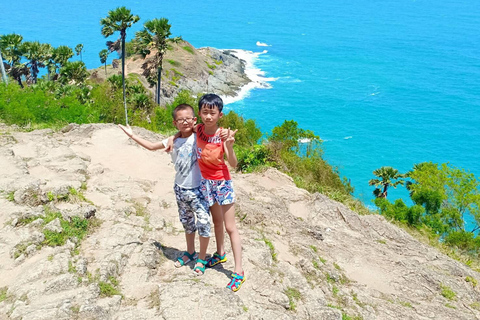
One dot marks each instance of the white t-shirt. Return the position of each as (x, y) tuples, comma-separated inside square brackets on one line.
[(184, 157)]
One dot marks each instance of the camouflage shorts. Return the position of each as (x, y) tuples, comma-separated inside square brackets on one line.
[(193, 210)]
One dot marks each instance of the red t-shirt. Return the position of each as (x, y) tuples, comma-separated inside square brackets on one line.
[(210, 155)]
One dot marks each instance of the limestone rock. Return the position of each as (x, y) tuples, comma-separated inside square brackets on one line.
[(305, 256)]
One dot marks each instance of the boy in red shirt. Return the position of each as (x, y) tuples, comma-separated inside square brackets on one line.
[(217, 183)]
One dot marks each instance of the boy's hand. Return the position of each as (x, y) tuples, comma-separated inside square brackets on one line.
[(127, 130), (169, 147), (224, 134), (230, 137)]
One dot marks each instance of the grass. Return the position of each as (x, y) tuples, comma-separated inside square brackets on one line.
[(448, 293), (154, 300), (174, 63), (107, 289), (77, 228), (11, 196), (473, 281), (211, 66), (405, 304), (335, 290), (188, 49), (475, 305), (3, 294), (271, 248), (347, 317), (293, 295)]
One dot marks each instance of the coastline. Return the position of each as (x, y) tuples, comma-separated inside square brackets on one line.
[(230, 73), (256, 75)]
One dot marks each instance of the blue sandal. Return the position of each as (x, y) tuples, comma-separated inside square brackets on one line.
[(190, 257), (200, 268), (216, 259), (236, 282)]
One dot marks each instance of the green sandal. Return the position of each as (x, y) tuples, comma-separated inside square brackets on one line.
[(200, 268), (190, 257)]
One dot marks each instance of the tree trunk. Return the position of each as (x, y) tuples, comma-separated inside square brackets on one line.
[(4, 75), (159, 79), (123, 36), (384, 193), (105, 69)]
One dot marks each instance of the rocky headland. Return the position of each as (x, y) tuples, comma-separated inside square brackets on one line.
[(305, 256), (185, 67)]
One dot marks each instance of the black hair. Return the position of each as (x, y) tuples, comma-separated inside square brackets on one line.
[(181, 107), (210, 101)]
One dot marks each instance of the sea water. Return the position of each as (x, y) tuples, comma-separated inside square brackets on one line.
[(383, 83)]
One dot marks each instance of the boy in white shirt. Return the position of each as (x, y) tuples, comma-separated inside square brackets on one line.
[(193, 208)]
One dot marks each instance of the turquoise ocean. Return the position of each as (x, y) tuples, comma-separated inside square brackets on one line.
[(381, 82)]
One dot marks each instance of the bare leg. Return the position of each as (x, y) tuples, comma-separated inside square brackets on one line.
[(217, 217), (203, 250), (235, 241)]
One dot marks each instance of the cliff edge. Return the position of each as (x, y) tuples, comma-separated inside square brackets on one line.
[(185, 67), (90, 230)]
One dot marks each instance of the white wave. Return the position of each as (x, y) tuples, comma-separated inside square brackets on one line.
[(304, 140), (349, 137), (289, 79), (262, 44), (257, 76)]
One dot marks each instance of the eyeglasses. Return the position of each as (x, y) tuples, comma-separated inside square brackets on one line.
[(185, 120)]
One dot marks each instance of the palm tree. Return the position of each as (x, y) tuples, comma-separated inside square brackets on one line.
[(387, 176), (78, 50), (119, 20), (62, 54), (75, 72), (37, 54), (103, 58), (154, 36), (11, 46)]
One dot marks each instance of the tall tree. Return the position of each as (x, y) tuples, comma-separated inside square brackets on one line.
[(11, 46), (120, 20), (37, 54), (154, 37), (388, 177), (2, 67), (103, 54), (78, 50), (61, 55)]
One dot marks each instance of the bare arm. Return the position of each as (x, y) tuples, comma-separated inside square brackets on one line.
[(144, 143), (228, 145)]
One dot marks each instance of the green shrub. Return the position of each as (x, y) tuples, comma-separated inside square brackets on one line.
[(253, 158)]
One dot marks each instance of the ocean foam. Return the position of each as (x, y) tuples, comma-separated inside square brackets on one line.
[(259, 81), (262, 44)]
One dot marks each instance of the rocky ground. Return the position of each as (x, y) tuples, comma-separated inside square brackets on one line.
[(185, 67), (305, 256)]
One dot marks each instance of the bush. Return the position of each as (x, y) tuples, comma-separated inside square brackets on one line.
[(253, 158), (248, 133)]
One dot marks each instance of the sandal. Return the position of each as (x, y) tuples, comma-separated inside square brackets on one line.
[(180, 262), (216, 259), (200, 268), (236, 281)]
